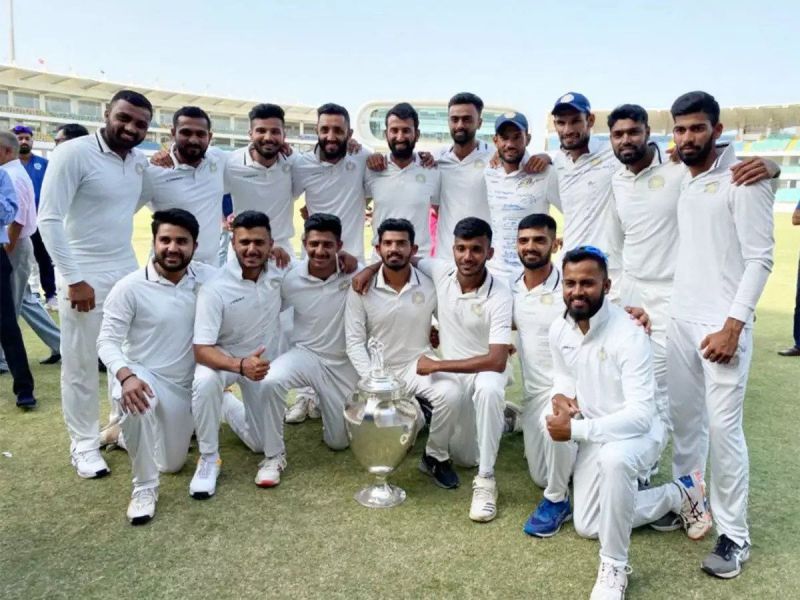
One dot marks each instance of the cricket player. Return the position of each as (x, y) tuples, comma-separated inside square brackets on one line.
[(235, 336), (89, 196), (604, 427), (145, 341), (397, 310), (724, 258)]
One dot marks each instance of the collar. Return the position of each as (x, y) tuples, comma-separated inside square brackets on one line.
[(391, 165), (152, 274), (595, 323), (484, 291), (101, 142), (234, 268), (724, 161), (549, 285), (180, 165), (479, 148), (307, 275), (656, 162), (380, 282), (250, 162), (12, 164)]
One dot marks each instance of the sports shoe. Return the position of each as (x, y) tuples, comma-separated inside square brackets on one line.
[(611, 582), (204, 481), (669, 522), (51, 304), (109, 435), (89, 464), (54, 358), (142, 506), (441, 470), (26, 401), (725, 560), (298, 411), (313, 408), (512, 415), (694, 513), (484, 499), (548, 518), (269, 471)]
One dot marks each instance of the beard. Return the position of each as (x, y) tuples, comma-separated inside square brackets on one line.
[(265, 152), (117, 141), (536, 263), (699, 154), (399, 262), (161, 260), (463, 137), (404, 153), (582, 141), (637, 154), (191, 152), (24, 149), (583, 314), (339, 152)]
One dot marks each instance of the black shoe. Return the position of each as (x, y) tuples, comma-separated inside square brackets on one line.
[(53, 359), (669, 522), (26, 401), (101, 367), (3, 371), (793, 351), (441, 470)]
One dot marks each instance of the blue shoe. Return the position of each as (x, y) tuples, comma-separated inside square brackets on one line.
[(26, 401), (548, 518)]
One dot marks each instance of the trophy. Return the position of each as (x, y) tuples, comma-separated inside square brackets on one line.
[(381, 421)]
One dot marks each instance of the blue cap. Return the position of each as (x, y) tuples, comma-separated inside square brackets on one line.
[(517, 118), (574, 101), (23, 129)]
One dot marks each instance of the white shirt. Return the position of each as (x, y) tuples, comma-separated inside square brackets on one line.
[(725, 246), (644, 219), (401, 321), (609, 370), (511, 197), (87, 204), (198, 190), (463, 193), (336, 189), (26, 197), (406, 193), (468, 322), (149, 321), (535, 310), (319, 308), (585, 191), (253, 186), (238, 315)]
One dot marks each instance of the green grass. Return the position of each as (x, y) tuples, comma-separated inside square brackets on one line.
[(62, 537)]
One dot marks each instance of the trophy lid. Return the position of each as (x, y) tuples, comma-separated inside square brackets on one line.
[(378, 379)]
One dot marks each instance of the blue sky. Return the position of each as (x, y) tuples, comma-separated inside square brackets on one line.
[(518, 53)]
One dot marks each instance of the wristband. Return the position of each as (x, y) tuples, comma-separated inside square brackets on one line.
[(241, 367), (126, 378)]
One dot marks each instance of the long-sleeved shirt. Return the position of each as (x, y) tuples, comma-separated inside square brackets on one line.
[(26, 199), (149, 321), (8, 205), (609, 370), (725, 246), (88, 201), (401, 321)]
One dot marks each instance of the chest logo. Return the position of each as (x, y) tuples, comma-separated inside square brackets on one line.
[(547, 299), (286, 168), (656, 182), (349, 165), (212, 167), (479, 164), (420, 178), (37, 166), (139, 168), (275, 283), (711, 188), (477, 309), (596, 161), (418, 298), (344, 284), (602, 354)]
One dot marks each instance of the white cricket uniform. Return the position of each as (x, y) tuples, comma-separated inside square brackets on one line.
[(336, 189), (585, 191), (318, 357), (724, 259), (86, 220), (237, 316), (468, 324), (401, 321), (148, 323), (406, 193), (535, 310), (198, 190), (511, 197), (253, 186), (644, 230), (609, 371), (463, 193)]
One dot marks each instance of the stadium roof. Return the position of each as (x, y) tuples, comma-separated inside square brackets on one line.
[(99, 89)]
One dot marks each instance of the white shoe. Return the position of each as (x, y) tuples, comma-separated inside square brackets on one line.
[(269, 471), (298, 411), (52, 304), (313, 408), (89, 464), (484, 499), (204, 481), (142, 506), (694, 512), (611, 582), (109, 435)]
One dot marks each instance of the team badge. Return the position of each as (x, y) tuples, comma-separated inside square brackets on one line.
[(510, 115), (477, 309), (418, 298), (479, 164), (566, 98), (596, 161), (656, 182), (37, 166), (420, 178), (547, 299), (212, 167), (139, 168), (350, 165), (526, 182), (286, 168), (711, 188), (602, 354), (275, 283), (344, 285)]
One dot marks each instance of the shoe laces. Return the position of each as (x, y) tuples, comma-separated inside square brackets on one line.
[(724, 547), (206, 467), (88, 455), (614, 577), (143, 497), (273, 462), (482, 493)]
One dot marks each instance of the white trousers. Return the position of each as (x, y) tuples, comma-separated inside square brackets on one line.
[(707, 407), (158, 440), (209, 405), (606, 501), (80, 382), (535, 437), (444, 395), (334, 383), (480, 421)]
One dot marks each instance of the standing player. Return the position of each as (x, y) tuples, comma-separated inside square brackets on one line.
[(89, 197), (710, 336), (513, 193), (404, 189), (604, 422), (397, 310), (146, 342)]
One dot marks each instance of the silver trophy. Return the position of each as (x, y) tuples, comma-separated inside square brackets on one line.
[(381, 422)]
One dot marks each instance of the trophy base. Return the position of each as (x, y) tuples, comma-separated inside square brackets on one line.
[(380, 496)]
